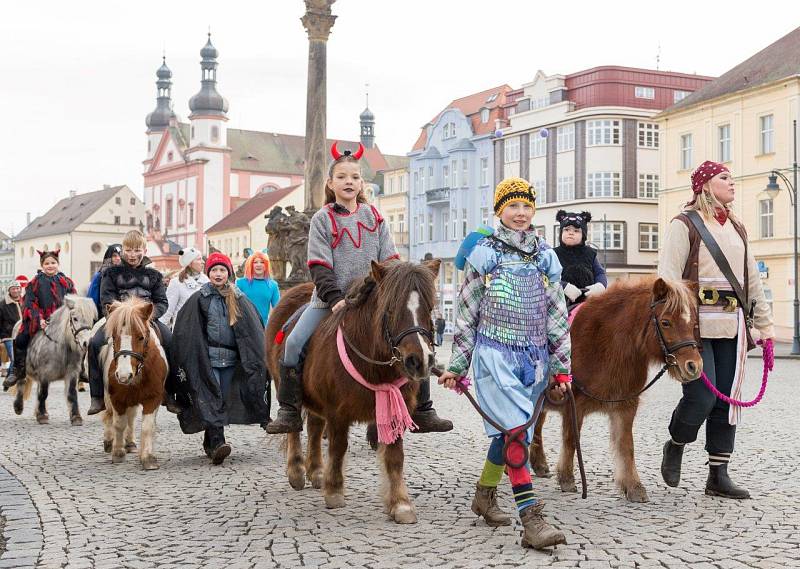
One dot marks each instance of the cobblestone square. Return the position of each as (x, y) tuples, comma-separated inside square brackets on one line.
[(65, 505)]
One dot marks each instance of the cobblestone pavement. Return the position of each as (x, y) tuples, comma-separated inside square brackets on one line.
[(90, 513)]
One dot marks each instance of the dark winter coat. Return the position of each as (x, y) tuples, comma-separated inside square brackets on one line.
[(122, 281), (10, 313), (197, 391), (43, 296)]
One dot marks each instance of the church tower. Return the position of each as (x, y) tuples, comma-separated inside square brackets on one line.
[(158, 120), (208, 108), (367, 120)]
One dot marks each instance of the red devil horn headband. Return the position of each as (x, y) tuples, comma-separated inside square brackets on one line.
[(337, 155)]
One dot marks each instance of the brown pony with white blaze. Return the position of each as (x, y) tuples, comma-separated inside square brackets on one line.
[(615, 339), (135, 372), (381, 310)]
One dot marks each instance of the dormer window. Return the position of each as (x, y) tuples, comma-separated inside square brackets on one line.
[(449, 131)]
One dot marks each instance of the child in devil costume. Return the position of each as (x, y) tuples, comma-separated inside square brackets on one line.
[(511, 328), (582, 274), (346, 235)]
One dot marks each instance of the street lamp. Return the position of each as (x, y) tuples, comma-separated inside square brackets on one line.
[(772, 191)]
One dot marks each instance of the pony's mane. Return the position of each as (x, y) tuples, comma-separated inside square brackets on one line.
[(679, 299), (125, 318), (84, 306)]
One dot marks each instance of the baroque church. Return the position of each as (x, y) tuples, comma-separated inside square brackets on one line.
[(197, 172)]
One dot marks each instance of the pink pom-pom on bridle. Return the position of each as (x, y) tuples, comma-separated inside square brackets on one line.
[(337, 155)]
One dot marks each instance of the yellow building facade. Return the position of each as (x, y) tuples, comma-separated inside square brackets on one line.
[(750, 131)]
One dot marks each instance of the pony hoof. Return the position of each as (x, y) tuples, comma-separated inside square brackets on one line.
[(568, 485), (404, 514), (317, 480), (150, 463), (43, 419), (334, 501), (130, 447), (542, 471), (76, 421), (297, 480), (107, 446), (636, 493), (117, 456), (18, 407)]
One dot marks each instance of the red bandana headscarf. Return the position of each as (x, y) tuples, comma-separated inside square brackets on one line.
[(703, 174)]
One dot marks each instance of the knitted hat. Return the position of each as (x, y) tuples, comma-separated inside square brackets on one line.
[(218, 258), (571, 219), (113, 249), (703, 174), (15, 284), (188, 255), (22, 280), (43, 255), (512, 189)]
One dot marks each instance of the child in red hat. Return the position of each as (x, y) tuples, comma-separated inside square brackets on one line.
[(219, 354)]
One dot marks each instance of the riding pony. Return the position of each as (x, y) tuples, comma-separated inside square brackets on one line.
[(55, 353), (384, 337), (135, 370), (616, 336)]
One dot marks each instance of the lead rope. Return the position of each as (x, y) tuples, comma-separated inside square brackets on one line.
[(768, 357)]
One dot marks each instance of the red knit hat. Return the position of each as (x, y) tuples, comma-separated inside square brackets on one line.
[(217, 258)]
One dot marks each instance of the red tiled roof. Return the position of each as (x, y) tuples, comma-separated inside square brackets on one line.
[(471, 106), (252, 208)]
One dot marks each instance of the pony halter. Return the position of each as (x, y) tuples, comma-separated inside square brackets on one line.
[(140, 356), (668, 350)]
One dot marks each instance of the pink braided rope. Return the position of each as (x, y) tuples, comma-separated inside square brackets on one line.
[(768, 356)]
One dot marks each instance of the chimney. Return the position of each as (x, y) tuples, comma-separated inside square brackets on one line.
[(27, 218), (73, 193), (106, 186)]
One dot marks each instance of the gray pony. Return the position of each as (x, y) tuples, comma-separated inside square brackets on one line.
[(55, 354)]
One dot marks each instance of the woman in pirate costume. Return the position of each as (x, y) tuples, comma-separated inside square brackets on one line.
[(346, 235), (43, 296), (582, 274), (703, 243), (511, 328)]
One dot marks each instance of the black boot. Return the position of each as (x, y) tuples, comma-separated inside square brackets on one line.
[(671, 463), (220, 450), (720, 484), (10, 380), (290, 396), (96, 386), (19, 370), (425, 415), (98, 404)]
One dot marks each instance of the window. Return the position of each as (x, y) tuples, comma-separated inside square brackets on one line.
[(401, 223), (648, 135), (724, 132), (430, 227), (538, 145), (421, 228), (767, 134), (541, 231), (215, 136), (604, 185), (464, 222), (449, 131), (454, 220), (133, 201), (491, 98), (485, 216), (132, 221), (192, 132), (512, 150), (168, 213), (540, 187), (454, 173), (648, 186), (464, 173), (191, 214), (686, 152), (680, 95), (565, 138), (118, 200), (648, 237), (484, 116), (644, 93), (445, 174), (446, 225), (604, 131), (170, 156), (116, 220), (614, 234), (484, 171), (765, 218), (416, 182), (565, 188)]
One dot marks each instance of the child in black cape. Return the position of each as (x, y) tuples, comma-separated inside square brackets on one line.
[(582, 274)]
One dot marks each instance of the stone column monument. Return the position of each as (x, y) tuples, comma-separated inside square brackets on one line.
[(318, 22)]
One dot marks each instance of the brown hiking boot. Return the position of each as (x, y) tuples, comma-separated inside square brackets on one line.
[(98, 404), (429, 422), (485, 504), (537, 533)]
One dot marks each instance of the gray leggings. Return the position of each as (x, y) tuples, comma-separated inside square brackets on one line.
[(301, 333)]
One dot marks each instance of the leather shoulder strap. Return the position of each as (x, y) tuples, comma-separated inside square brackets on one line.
[(718, 256)]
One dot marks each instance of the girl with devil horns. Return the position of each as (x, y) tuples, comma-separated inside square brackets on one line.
[(582, 274), (43, 296), (723, 321), (346, 235)]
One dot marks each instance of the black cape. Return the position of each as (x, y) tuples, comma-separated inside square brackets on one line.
[(197, 391)]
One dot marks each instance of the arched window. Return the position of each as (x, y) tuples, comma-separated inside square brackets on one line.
[(215, 133)]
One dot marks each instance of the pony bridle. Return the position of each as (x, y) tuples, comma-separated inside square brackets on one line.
[(394, 343), (671, 349), (140, 356), (75, 331)]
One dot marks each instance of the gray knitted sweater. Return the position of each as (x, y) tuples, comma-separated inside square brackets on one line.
[(346, 243)]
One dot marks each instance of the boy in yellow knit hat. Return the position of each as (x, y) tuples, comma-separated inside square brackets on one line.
[(512, 332)]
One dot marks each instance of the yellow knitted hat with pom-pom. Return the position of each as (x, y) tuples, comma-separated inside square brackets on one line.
[(512, 189)]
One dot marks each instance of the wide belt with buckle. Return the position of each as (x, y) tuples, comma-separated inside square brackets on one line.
[(710, 296)]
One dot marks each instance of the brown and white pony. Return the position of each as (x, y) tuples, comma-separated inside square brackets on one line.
[(135, 369), (387, 319), (616, 337)]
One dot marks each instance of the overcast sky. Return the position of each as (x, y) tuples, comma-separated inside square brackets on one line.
[(78, 78)]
